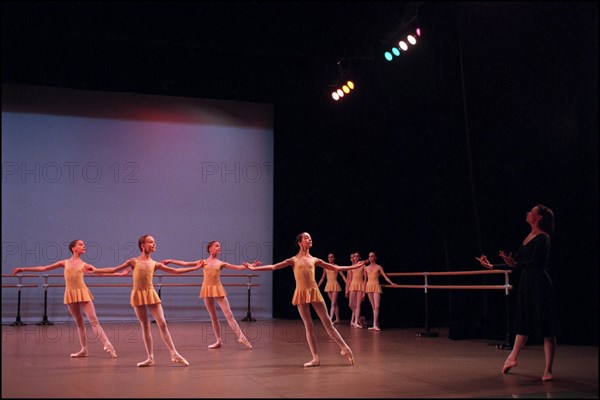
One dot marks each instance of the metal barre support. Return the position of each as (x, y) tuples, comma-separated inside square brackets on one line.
[(18, 318), (506, 345), (45, 317), (427, 332), (248, 316)]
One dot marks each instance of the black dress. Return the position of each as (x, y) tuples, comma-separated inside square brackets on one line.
[(536, 312)]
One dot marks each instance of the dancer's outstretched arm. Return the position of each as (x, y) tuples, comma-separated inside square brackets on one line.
[(171, 270), (334, 267), (272, 267)]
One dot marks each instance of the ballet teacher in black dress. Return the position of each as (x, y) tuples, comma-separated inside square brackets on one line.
[(537, 313)]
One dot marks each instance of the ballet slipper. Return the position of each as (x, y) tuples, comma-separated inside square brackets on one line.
[(81, 353), (245, 342), (508, 365), (348, 354), (215, 345), (177, 358), (110, 349), (547, 377), (146, 363), (312, 363), (374, 328)]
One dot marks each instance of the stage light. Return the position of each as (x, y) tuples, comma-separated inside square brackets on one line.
[(342, 86), (409, 38), (346, 88)]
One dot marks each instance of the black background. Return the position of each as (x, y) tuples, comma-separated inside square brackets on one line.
[(435, 157)]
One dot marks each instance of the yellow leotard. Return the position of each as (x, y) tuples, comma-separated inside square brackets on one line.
[(332, 284), (143, 291), (307, 290), (75, 289), (358, 283), (373, 285), (211, 284)]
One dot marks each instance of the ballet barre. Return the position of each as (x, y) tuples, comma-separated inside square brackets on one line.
[(19, 285), (248, 284), (426, 286), (46, 285)]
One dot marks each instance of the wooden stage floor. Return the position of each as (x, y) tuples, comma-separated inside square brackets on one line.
[(392, 363)]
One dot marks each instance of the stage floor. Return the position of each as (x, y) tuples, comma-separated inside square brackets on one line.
[(392, 363)]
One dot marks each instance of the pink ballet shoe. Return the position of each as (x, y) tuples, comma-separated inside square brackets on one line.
[(80, 354), (110, 349), (508, 365), (177, 358), (245, 342), (547, 377), (348, 354), (146, 363), (312, 363), (374, 328), (215, 345)]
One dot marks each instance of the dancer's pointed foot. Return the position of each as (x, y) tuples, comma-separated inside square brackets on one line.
[(374, 328), (108, 347), (313, 363), (81, 353), (508, 364), (177, 358), (348, 354), (245, 342), (547, 377), (147, 363), (215, 345)]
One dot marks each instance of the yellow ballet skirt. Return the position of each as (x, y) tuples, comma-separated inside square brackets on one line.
[(373, 285), (75, 289), (357, 284), (211, 284), (307, 290), (143, 291), (332, 284)]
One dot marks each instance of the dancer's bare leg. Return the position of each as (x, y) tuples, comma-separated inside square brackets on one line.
[(161, 322), (333, 333), (209, 302), (549, 351), (351, 300), (375, 300), (332, 308), (90, 312), (337, 308), (511, 360), (142, 315), (224, 304), (356, 310), (75, 311), (304, 310)]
